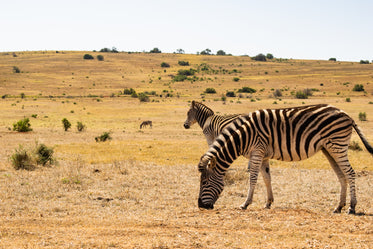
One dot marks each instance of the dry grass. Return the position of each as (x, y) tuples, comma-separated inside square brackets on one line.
[(140, 189)]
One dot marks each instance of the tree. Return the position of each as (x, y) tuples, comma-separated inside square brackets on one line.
[(220, 52), (260, 57), (155, 51), (180, 51), (269, 56), (207, 51)]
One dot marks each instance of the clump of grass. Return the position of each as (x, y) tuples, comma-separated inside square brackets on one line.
[(104, 137), (234, 176), (362, 116), (21, 159)]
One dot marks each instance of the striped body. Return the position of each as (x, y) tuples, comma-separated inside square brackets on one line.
[(290, 134), (211, 124)]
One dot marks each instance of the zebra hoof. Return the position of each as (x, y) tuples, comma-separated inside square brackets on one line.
[(243, 207), (337, 210), (351, 211)]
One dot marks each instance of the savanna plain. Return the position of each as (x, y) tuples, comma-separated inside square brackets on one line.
[(140, 189)]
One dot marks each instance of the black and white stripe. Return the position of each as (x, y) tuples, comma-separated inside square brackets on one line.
[(290, 134), (211, 124)]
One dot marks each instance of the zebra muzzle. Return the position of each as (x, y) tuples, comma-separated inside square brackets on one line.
[(186, 126), (201, 205)]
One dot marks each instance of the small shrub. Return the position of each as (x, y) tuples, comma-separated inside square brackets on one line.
[(332, 59), (16, 70), (236, 79), (358, 88), (100, 57), (348, 99), (210, 90), (21, 159), (362, 116), (301, 95), (364, 62), (246, 89), (183, 63), (269, 56), (128, 91), (66, 124), (230, 94), (22, 125), (80, 126), (44, 155), (165, 64), (277, 93), (187, 72), (355, 146), (143, 97), (104, 137), (88, 57), (179, 78)]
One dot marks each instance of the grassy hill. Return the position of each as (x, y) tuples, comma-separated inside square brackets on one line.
[(140, 188)]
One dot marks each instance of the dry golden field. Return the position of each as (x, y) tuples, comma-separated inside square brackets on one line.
[(140, 189)]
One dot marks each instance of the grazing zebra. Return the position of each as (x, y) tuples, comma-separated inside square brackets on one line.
[(291, 134), (211, 124), (145, 123)]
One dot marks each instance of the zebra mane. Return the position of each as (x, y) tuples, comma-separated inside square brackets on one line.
[(198, 106)]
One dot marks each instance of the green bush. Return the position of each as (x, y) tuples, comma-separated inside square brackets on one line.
[(246, 89), (22, 125), (165, 64), (269, 56), (220, 52), (155, 50), (187, 72), (362, 116), (230, 94), (128, 91), (364, 62), (80, 126), (88, 57), (236, 79), (21, 159), (100, 57), (143, 97), (301, 95), (16, 70), (332, 59), (183, 63), (104, 137), (358, 88), (44, 155), (210, 90), (66, 124)]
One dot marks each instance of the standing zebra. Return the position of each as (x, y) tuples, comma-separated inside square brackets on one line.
[(291, 134), (211, 124)]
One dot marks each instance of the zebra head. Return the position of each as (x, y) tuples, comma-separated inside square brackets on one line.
[(211, 184), (191, 116)]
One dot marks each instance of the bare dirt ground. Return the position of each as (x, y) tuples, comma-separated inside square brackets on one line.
[(141, 205)]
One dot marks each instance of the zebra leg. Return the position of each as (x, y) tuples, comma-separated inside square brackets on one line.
[(255, 163), (342, 166), (264, 169), (342, 179)]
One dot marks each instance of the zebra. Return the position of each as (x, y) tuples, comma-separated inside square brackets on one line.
[(211, 124), (290, 134), (145, 123)]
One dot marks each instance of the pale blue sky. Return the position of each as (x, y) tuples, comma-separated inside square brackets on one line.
[(317, 29)]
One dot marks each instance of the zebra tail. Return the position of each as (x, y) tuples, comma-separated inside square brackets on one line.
[(363, 138)]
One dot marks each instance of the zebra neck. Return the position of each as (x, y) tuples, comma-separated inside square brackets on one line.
[(203, 116)]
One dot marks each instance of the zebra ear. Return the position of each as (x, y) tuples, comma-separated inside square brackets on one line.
[(193, 103)]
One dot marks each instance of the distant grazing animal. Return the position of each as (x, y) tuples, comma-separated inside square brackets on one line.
[(211, 124), (290, 134), (146, 123)]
